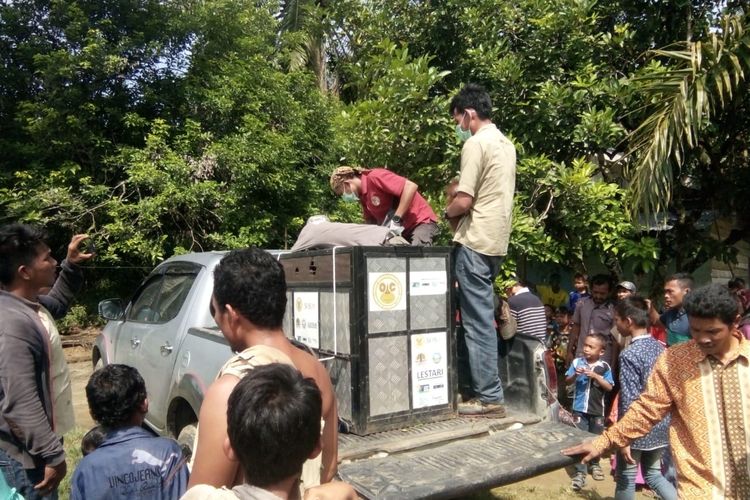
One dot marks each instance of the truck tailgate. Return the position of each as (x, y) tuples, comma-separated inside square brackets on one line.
[(464, 466)]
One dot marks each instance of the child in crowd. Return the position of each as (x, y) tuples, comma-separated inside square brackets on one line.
[(92, 439), (580, 290), (636, 363), (593, 378), (273, 425), (130, 462)]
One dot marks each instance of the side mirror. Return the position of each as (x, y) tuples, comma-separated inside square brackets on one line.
[(111, 309)]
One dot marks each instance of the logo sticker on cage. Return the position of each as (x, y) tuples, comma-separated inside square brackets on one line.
[(387, 291)]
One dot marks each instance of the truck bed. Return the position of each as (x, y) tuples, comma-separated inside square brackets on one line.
[(454, 457)]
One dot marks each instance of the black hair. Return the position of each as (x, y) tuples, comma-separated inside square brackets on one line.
[(92, 439), (252, 281), (581, 276), (635, 308), (736, 283), (563, 310), (712, 301), (273, 422), (19, 244), (115, 393), (684, 279), (475, 97), (601, 279), (600, 337)]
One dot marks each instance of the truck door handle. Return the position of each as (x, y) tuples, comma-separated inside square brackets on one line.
[(134, 342), (166, 349)]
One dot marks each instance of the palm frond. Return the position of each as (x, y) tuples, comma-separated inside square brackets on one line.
[(701, 80)]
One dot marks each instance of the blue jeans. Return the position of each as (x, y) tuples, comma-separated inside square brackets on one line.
[(650, 461), (23, 480), (589, 423), (475, 274)]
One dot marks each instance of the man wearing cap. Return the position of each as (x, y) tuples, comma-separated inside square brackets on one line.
[(387, 199), (625, 289)]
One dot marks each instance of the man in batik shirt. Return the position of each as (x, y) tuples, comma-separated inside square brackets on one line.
[(705, 384)]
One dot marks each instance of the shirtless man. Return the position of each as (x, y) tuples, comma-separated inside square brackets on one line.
[(248, 304)]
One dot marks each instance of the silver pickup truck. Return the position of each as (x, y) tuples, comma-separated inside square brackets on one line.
[(166, 331)]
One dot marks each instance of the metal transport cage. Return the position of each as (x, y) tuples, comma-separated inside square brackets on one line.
[(380, 318)]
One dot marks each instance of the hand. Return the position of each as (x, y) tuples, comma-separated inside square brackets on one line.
[(586, 449), (395, 228), (75, 256), (52, 477), (625, 453)]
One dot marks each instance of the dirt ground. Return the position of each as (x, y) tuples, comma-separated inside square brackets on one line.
[(554, 485)]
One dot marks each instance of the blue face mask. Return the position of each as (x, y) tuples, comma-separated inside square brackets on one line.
[(349, 197)]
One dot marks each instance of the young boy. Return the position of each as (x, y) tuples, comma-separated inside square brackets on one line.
[(580, 290), (636, 363), (593, 378), (273, 427), (130, 462)]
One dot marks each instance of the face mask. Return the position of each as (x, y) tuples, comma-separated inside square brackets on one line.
[(461, 133), (349, 197)]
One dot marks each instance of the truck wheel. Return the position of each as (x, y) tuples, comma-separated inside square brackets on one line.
[(99, 364), (186, 438)]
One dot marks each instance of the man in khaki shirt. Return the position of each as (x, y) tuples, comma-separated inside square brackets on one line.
[(483, 208)]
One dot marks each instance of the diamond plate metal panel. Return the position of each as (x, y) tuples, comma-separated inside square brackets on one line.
[(287, 324), (428, 311), (340, 371), (388, 375), (385, 321), (427, 264), (342, 321)]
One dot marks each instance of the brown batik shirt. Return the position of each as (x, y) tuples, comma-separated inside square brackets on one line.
[(710, 407)]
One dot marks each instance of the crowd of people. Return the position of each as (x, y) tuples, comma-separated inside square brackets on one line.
[(664, 388)]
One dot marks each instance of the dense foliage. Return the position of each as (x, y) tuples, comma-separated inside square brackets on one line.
[(165, 126)]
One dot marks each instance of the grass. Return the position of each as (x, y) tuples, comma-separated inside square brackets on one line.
[(73, 452)]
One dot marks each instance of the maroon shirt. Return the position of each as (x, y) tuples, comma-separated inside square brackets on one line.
[(380, 192)]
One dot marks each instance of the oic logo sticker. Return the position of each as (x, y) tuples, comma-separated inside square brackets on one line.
[(387, 291)]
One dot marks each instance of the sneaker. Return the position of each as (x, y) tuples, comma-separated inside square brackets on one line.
[(477, 407), (596, 472), (578, 482)]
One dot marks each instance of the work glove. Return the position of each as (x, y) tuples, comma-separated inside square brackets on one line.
[(394, 228)]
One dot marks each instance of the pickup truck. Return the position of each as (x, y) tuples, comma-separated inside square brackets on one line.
[(167, 332)]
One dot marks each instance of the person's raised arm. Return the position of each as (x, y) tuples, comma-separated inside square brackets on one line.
[(210, 464), (653, 315), (70, 280)]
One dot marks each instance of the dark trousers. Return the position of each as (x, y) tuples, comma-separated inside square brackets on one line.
[(589, 423), (23, 480)]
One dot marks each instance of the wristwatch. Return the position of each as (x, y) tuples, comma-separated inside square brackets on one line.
[(396, 219)]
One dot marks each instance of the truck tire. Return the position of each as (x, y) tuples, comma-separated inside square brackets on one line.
[(186, 438)]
